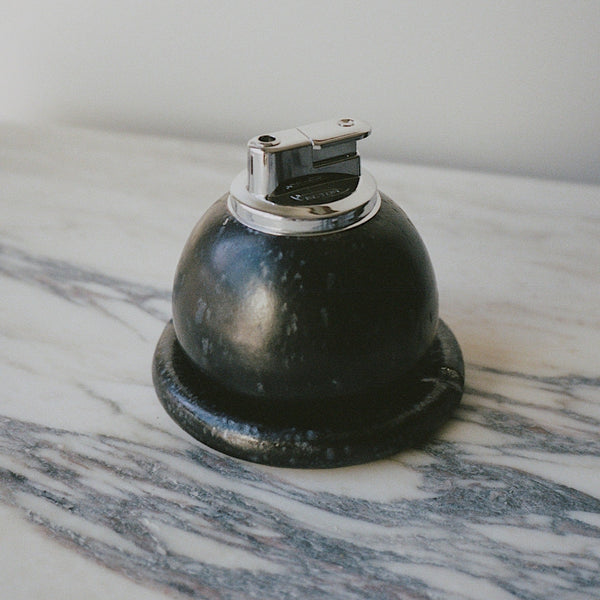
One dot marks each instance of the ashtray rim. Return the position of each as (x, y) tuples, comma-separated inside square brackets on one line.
[(431, 393)]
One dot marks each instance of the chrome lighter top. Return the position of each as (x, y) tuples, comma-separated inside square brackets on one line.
[(305, 181)]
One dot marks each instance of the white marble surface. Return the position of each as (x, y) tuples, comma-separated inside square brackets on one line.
[(103, 496)]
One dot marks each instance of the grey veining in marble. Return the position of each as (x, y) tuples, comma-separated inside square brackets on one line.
[(102, 495)]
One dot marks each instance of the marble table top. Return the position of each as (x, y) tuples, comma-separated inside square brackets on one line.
[(103, 496)]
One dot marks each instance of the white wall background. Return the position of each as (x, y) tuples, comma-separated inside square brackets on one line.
[(503, 86)]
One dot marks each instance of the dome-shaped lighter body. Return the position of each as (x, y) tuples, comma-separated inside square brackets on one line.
[(297, 317)]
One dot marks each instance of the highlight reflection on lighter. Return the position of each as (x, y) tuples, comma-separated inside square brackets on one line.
[(254, 322)]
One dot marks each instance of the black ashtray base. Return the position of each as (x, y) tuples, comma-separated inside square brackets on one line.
[(329, 432)]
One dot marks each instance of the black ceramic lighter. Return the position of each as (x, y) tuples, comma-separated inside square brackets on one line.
[(305, 327)]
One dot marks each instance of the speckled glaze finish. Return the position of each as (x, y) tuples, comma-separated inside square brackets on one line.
[(304, 317), (307, 351)]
